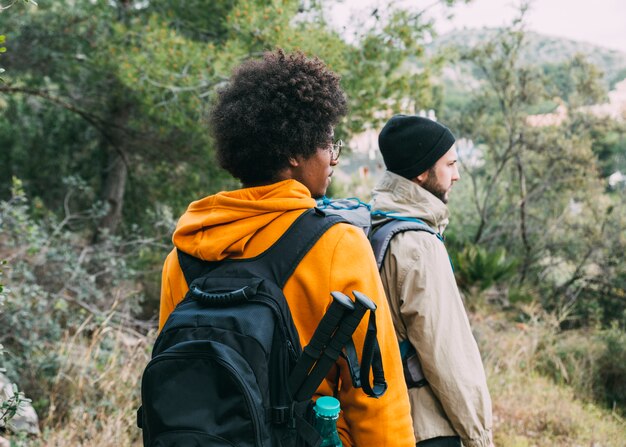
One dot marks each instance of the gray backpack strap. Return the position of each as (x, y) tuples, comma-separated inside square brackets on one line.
[(383, 234)]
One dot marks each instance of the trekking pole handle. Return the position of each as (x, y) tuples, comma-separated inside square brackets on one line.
[(340, 337), (342, 299), (320, 339), (349, 323), (329, 323), (364, 300)]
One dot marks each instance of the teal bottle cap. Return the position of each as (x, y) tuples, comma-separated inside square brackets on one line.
[(327, 406)]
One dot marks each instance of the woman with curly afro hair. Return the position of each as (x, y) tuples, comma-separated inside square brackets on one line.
[(273, 128)]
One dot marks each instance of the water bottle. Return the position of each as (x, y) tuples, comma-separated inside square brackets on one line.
[(326, 415)]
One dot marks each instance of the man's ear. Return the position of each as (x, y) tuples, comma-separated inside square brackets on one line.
[(294, 162), (420, 179)]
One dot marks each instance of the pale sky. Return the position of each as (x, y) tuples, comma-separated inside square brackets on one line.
[(601, 22)]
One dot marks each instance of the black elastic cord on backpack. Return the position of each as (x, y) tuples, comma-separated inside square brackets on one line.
[(371, 357), (320, 339)]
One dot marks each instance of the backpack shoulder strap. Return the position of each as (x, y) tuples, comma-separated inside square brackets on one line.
[(381, 238), (280, 260), (191, 266), (283, 257)]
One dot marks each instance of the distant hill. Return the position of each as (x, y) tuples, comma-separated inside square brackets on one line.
[(540, 49)]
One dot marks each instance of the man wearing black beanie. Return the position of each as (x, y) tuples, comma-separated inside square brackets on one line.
[(450, 402)]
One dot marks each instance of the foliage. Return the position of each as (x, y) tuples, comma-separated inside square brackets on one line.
[(96, 391), (389, 71), (557, 410), (610, 385), (608, 141), (477, 269), (117, 93), (106, 131), (574, 81), (592, 363), (8, 407), (551, 53), (2, 36), (535, 191), (62, 285), (2, 50)]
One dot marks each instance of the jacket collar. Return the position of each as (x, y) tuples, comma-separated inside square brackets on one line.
[(408, 199)]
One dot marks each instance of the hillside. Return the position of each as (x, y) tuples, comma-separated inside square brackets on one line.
[(540, 49)]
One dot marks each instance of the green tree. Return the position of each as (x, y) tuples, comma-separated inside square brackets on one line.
[(576, 81), (104, 130), (535, 191), (115, 93)]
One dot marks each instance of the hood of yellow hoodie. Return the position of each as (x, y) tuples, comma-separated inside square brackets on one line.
[(220, 226)]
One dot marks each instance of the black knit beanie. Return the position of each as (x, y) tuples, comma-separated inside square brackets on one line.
[(411, 144)]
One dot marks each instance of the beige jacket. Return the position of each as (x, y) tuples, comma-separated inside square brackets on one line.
[(428, 311)]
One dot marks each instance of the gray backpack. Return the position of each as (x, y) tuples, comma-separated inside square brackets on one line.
[(359, 213)]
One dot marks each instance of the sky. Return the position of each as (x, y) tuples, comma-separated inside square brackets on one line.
[(600, 22)]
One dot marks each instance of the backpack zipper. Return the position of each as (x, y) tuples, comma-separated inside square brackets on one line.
[(268, 300)]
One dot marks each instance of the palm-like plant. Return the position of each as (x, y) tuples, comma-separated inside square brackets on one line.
[(477, 269)]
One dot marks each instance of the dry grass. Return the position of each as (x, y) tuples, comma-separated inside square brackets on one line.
[(97, 390), (531, 410)]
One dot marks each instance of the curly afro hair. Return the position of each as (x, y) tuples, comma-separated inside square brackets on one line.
[(274, 109)]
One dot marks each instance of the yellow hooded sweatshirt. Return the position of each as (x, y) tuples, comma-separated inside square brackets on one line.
[(244, 223)]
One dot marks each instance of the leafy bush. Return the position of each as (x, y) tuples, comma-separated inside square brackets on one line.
[(530, 408), (610, 377), (65, 288), (8, 407), (592, 362), (477, 269)]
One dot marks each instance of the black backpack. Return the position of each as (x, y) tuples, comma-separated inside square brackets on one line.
[(221, 368)]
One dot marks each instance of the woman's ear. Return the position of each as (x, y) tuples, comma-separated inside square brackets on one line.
[(294, 162)]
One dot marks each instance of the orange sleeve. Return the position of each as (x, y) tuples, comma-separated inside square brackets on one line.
[(371, 422), (173, 287)]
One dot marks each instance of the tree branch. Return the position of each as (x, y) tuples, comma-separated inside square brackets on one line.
[(100, 124)]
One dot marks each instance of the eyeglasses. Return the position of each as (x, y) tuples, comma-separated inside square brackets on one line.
[(335, 150)]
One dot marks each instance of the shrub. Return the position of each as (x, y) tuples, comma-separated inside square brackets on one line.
[(531, 409), (8, 407), (64, 287), (477, 269), (593, 362), (610, 382)]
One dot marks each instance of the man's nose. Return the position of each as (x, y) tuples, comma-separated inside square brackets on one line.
[(456, 176)]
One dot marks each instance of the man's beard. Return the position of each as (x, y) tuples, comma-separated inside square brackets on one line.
[(432, 185)]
